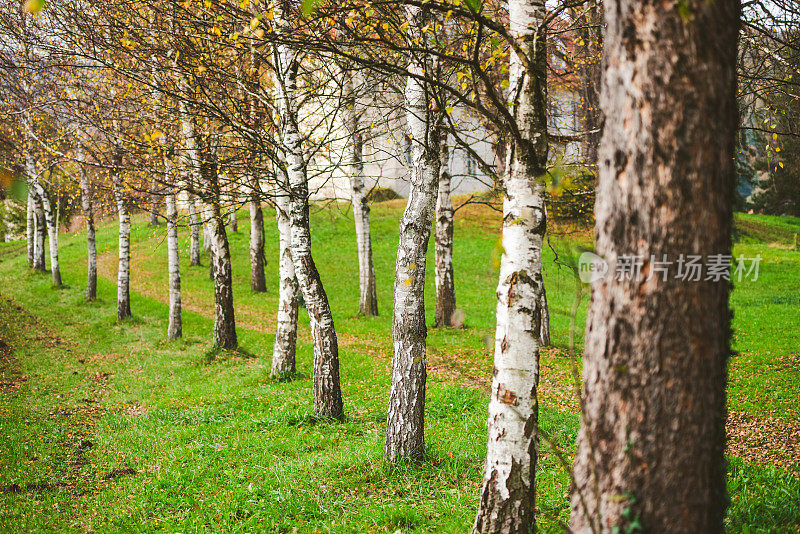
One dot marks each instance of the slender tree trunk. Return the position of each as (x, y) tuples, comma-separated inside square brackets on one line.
[(327, 390), (91, 248), (283, 353), (232, 220), (40, 232), (124, 267), (508, 497), (155, 199), (30, 229), (368, 299), (258, 281), (443, 244), (224, 316), (175, 328), (650, 448), (52, 232), (405, 425), (194, 233)]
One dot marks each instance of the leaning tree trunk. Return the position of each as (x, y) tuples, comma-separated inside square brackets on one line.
[(443, 244), (283, 353), (124, 267), (508, 497), (405, 424), (258, 281), (650, 448), (91, 248), (327, 390), (30, 229), (368, 294)]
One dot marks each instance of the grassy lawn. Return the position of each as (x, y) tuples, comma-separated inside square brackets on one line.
[(105, 426)]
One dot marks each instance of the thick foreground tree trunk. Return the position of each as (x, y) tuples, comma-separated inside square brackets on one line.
[(283, 353), (258, 281), (124, 267), (650, 448), (405, 424), (368, 294), (91, 248), (508, 497), (327, 390), (443, 245)]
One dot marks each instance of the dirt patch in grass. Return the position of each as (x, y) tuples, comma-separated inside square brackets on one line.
[(764, 441)]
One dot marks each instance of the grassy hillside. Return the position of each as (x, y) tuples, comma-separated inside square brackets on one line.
[(106, 426)]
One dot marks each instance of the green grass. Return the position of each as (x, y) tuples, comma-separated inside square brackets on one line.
[(218, 446)]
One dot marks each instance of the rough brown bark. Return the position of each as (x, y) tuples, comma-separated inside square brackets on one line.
[(650, 448)]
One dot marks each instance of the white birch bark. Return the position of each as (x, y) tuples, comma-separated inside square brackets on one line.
[(175, 326), (327, 390), (30, 229), (405, 425), (443, 244), (509, 487), (283, 352), (88, 217), (368, 297), (194, 232), (124, 253), (39, 231), (258, 282), (49, 219)]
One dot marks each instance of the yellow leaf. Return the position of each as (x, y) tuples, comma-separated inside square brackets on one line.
[(34, 6), (254, 23), (780, 163)]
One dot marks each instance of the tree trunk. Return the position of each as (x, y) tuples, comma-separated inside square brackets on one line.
[(30, 229), (258, 281), (327, 391), (40, 232), (283, 353), (52, 233), (123, 269), (443, 244), (194, 232), (589, 29), (650, 448), (368, 296), (175, 328), (154, 202), (405, 425), (224, 316), (91, 248), (232, 220), (508, 497)]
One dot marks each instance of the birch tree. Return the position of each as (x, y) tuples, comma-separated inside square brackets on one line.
[(124, 247), (508, 496), (443, 243), (368, 296), (283, 352), (327, 390), (650, 449), (88, 217), (405, 425)]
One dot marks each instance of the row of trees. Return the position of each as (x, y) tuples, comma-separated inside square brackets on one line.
[(209, 105)]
